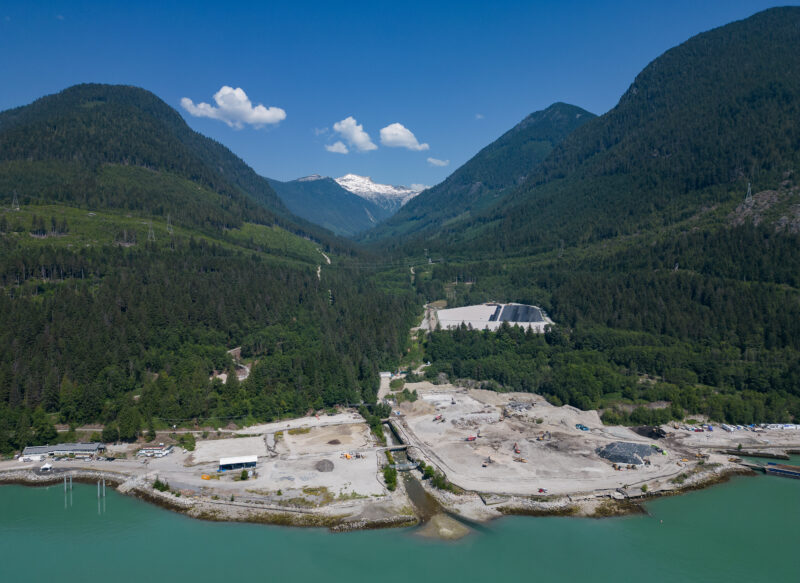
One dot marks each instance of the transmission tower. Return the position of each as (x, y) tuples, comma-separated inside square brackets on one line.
[(150, 235), (561, 248), (748, 199), (15, 202), (169, 225)]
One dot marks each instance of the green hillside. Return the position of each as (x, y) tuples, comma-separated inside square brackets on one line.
[(696, 125), (140, 252), (119, 146), (487, 177), (323, 202), (635, 236)]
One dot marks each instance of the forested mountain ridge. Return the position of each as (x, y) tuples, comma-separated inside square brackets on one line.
[(635, 234), (88, 145), (140, 252), (696, 125), (324, 202), (487, 176)]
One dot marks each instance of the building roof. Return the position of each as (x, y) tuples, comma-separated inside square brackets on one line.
[(63, 447), (492, 315), (242, 459)]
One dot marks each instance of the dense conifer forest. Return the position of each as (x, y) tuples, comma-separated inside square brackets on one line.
[(138, 253), (135, 253)]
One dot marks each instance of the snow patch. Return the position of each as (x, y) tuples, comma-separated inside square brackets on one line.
[(384, 195)]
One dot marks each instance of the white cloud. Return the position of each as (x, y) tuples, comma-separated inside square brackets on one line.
[(337, 148), (418, 187), (478, 116), (235, 109), (396, 135), (437, 162), (320, 131), (354, 134)]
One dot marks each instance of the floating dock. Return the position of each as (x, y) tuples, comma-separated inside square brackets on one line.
[(783, 470)]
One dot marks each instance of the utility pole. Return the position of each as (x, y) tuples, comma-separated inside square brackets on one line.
[(15, 202), (150, 235), (748, 198)]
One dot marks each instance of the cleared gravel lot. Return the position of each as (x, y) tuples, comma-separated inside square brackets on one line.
[(564, 460)]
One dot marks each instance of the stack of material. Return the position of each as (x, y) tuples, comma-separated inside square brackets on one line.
[(622, 452)]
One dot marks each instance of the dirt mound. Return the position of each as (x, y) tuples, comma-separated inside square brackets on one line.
[(324, 466)]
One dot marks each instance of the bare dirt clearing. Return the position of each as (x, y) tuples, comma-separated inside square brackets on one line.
[(324, 440), (521, 443)]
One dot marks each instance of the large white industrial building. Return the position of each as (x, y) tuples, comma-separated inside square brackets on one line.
[(489, 316)]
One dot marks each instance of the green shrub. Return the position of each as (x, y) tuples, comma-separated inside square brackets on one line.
[(439, 481), (390, 477), (187, 441), (406, 395)]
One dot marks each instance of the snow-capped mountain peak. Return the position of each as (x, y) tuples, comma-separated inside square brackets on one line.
[(384, 195)]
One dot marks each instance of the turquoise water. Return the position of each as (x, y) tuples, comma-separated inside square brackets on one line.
[(747, 529)]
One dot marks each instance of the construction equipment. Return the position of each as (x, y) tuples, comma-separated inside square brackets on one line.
[(471, 438), (516, 448), (438, 417)]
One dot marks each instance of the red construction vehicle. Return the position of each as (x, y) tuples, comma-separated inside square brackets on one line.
[(471, 438)]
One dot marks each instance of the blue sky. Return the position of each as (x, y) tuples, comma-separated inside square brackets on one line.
[(456, 75)]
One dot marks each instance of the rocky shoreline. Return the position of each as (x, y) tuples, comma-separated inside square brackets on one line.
[(469, 506)]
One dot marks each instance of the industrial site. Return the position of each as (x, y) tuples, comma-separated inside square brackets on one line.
[(498, 453)]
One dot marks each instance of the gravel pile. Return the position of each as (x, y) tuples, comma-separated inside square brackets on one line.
[(324, 466), (623, 452)]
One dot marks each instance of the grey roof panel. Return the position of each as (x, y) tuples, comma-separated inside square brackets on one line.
[(63, 447)]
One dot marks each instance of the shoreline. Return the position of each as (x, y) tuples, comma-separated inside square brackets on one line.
[(214, 510), (469, 506), (503, 453), (473, 507)]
